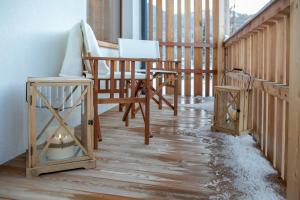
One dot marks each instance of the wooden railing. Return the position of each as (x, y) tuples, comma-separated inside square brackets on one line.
[(198, 71), (260, 49)]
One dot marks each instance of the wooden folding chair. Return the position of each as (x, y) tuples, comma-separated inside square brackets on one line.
[(126, 84), (131, 86), (165, 73)]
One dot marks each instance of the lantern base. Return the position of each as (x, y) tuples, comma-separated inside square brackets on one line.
[(43, 169)]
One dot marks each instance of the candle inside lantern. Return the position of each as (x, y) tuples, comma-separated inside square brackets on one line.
[(62, 145)]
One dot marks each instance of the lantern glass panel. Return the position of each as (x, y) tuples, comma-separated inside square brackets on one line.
[(228, 105), (61, 122)]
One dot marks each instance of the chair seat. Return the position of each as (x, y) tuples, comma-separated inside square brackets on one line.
[(139, 75), (117, 76)]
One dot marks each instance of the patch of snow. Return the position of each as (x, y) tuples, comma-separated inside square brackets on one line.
[(207, 106), (222, 196), (250, 168)]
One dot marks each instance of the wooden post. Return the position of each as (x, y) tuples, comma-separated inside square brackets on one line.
[(207, 53), (170, 37), (223, 24), (293, 176), (216, 19), (150, 18), (187, 61), (179, 40), (198, 51), (159, 32)]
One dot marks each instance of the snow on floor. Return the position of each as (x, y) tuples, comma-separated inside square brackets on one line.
[(239, 164), (250, 168), (206, 104)]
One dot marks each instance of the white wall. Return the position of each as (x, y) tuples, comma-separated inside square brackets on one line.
[(33, 37)]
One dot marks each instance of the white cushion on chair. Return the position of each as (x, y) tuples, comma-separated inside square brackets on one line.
[(91, 46), (72, 64)]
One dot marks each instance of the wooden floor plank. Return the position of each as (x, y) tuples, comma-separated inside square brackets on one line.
[(174, 165)]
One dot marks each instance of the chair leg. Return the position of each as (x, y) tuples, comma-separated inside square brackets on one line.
[(129, 107), (126, 116), (160, 94), (120, 107), (133, 111), (176, 96), (147, 119), (147, 108)]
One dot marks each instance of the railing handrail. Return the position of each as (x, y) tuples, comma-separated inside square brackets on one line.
[(265, 14)]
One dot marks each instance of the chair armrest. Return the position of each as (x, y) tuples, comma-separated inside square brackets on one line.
[(120, 59)]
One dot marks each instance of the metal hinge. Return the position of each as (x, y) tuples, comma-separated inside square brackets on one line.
[(91, 122)]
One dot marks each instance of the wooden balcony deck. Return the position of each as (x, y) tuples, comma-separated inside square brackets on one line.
[(176, 165)]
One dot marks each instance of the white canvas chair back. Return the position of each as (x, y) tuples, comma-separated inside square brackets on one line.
[(143, 49)]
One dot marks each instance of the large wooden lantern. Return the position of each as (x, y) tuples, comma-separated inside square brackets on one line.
[(231, 110), (60, 125)]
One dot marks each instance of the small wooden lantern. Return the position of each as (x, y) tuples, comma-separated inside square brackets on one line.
[(60, 125), (231, 110)]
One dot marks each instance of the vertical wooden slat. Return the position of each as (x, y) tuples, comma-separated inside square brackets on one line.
[(87, 140), (271, 99), (253, 71), (33, 128), (170, 34), (159, 22), (127, 66), (187, 60), (122, 82), (286, 104), (249, 66), (279, 129), (198, 51), (259, 96), (215, 38), (159, 38), (207, 36), (223, 29), (293, 184), (179, 39), (150, 18), (127, 105), (112, 80), (265, 95)]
